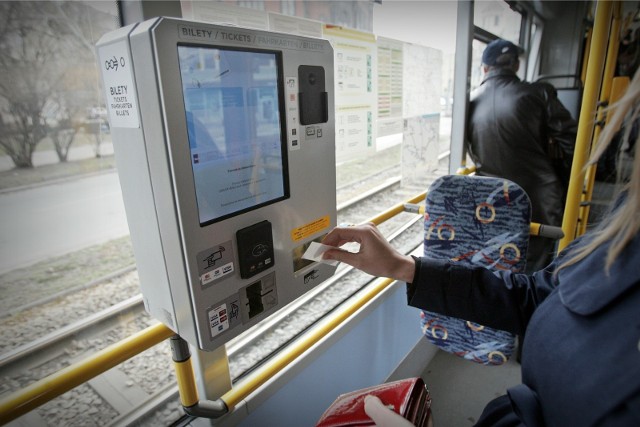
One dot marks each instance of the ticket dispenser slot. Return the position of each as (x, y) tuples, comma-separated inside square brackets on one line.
[(313, 96), (258, 297)]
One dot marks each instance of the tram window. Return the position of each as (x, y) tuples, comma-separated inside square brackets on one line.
[(477, 74), (63, 228), (496, 17), (87, 225)]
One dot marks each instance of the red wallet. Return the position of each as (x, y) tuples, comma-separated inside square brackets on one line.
[(410, 398)]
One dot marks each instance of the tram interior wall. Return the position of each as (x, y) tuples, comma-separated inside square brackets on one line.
[(563, 40)]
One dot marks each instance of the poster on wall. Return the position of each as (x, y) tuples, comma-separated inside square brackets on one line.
[(420, 150), (355, 65), (298, 26), (390, 75), (422, 80), (221, 13)]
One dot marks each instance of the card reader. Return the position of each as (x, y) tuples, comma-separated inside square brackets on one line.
[(255, 249)]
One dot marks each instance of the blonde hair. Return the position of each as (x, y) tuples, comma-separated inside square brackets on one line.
[(622, 225)]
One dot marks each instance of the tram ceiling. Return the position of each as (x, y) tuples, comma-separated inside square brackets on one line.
[(547, 10)]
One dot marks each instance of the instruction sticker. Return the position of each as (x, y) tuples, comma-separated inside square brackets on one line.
[(293, 137), (310, 228), (120, 92), (215, 263), (218, 319)]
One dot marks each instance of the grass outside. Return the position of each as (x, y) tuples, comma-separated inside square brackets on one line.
[(19, 177), (15, 178), (25, 285), (82, 137)]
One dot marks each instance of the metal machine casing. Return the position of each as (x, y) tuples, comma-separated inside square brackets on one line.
[(189, 270)]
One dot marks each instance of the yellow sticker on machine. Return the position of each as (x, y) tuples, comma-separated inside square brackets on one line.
[(310, 229)]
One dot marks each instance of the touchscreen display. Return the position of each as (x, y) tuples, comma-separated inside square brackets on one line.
[(234, 126)]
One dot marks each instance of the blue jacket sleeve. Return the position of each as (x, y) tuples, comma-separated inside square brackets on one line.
[(501, 300)]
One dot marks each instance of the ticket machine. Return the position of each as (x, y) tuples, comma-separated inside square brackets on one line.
[(224, 143)]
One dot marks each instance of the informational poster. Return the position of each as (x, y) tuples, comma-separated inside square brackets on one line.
[(421, 110), (390, 75), (420, 150), (222, 13), (217, 12), (298, 26), (422, 80), (355, 68)]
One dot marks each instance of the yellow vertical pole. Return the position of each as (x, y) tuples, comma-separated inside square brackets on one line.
[(585, 61), (593, 79), (605, 98)]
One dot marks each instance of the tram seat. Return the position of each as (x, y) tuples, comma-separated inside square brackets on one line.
[(569, 95), (481, 221)]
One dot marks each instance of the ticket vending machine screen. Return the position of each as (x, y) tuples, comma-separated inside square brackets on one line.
[(235, 128)]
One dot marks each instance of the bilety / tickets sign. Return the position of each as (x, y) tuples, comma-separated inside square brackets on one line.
[(120, 91)]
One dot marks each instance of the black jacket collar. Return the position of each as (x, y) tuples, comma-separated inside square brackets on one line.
[(500, 72)]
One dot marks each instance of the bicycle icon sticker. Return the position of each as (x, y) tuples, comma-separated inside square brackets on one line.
[(113, 63)]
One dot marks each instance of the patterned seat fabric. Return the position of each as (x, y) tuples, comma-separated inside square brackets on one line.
[(479, 221)]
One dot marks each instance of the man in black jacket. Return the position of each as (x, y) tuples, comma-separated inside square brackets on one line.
[(511, 124)]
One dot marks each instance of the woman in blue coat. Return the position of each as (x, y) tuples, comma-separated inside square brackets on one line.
[(581, 352)]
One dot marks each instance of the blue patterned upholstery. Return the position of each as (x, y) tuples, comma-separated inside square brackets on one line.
[(475, 221)]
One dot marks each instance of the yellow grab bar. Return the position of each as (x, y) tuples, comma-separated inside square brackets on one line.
[(586, 122), (605, 98), (48, 388), (237, 394)]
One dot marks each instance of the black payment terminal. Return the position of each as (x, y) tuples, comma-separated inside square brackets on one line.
[(255, 249)]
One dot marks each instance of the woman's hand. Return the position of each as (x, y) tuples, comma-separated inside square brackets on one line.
[(376, 256)]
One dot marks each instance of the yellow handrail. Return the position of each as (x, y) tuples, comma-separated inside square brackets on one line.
[(396, 209), (48, 388), (237, 394), (466, 170), (605, 98), (586, 122)]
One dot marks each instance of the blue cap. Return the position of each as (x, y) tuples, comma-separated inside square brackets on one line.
[(498, 48)]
